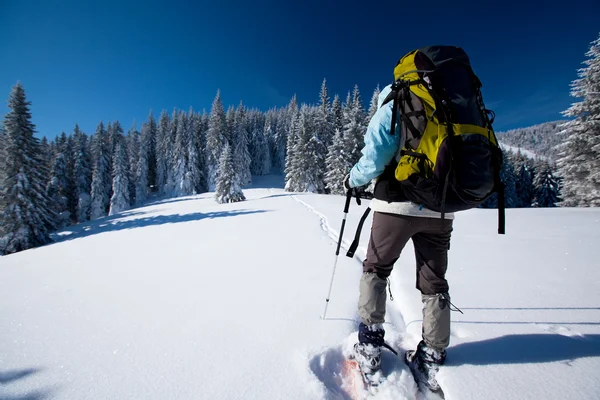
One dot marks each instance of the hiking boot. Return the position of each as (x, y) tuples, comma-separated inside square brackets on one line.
[(425, 363), (368, 357)]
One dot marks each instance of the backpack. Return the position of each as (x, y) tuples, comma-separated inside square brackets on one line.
[(450, 160)]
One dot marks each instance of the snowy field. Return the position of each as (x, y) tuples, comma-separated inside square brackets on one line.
[(189, 299)]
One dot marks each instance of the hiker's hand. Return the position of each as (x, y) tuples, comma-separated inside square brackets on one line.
[(347, 183)]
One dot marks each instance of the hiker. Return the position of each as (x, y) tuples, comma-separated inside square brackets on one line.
[(441, 157), (395, 221)]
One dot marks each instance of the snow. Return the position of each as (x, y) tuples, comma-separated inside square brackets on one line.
[(525, 152), (189, 299)]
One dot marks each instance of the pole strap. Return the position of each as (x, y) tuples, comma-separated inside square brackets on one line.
[(354, 245)]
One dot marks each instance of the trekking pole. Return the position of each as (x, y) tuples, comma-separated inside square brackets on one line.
[(337, 251)]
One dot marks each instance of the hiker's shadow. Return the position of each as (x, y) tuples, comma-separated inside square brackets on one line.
[(525, 349)]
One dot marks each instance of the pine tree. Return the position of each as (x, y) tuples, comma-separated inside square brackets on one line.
[(3, 147), (354, 127), (163, 151), (580, 160), (258, 146), (182, 184), (27, 217), (323, 130), (133, 151), (241, 154), (337, 114), (143, 166), (101, 179), (58, 187), (196, 160), (373, 106), (524, 183), (303, 174), (152, 168), (227, 188), (215, 138), (82, 173), (546, 186), (337, 165), (120, 200)]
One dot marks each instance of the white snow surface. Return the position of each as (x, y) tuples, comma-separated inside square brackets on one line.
[(525, 152), (189, 299)]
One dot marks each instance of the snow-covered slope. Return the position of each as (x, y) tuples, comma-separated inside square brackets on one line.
[(189, 299)]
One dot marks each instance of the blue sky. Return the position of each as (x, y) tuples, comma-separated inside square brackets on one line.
[(83, 61)]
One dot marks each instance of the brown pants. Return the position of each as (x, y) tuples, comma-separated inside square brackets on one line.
[(431, 239)]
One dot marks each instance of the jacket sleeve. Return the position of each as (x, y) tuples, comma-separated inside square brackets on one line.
[(379, 150)]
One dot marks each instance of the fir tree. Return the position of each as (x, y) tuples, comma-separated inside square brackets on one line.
[(3, 147), (304, 174), (27, 217), (337, 114), (547, 186), (215, 138), (101, 179), (580, 160), (58, 187), (373, 106), (120, 200), (227, 187), (196, 161), (143, 166), (163, 151), (241, 154), (152, 168), (337, 165), (354, 127), (182, 184), (258, 146), (323, 130), (524, 183), (82, 173), (133, 151)]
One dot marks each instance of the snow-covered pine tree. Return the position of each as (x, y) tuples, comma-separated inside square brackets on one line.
[(373, 105), (101, 179), (178, 161), (120, 200), (163, 151), (287, 115), (230, 118), (304, 174), (143, 166), (132, 143), (524, 183), (82, 173), (58, 186), (546, 186), (228, 189), (337, 114), (323, 129), (258, 146), (196, 161), (152, 133), (354, 127), (241, 154), (291, 175), (579, 162), (27, 217), (3, 146), (215, 138), (337, 165)]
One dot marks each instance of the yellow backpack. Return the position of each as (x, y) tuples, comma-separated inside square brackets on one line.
[(450, 160)]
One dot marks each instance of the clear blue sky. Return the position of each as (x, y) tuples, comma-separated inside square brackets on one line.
[(86, 61)]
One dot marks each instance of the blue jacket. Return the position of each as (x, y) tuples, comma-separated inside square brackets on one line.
[(380, 147)]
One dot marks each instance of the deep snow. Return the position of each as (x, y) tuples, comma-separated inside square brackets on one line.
[(188, 299)]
